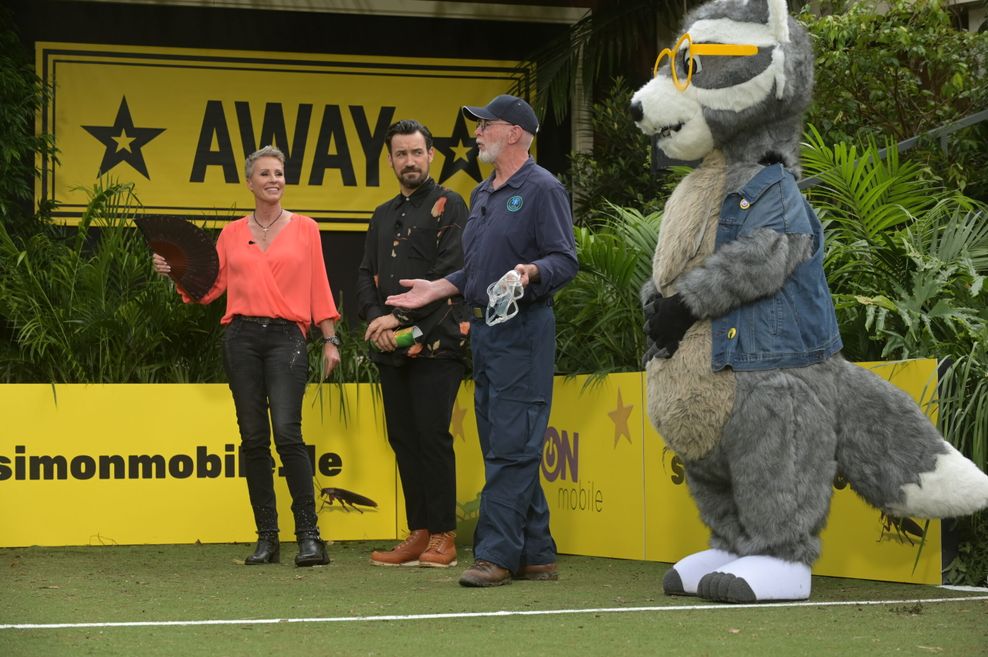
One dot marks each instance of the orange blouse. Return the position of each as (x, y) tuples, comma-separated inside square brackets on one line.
[(288, 280)]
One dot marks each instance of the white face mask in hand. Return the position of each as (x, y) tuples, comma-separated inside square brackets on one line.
[(503, 297)]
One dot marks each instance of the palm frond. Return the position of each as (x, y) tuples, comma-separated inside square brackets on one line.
[(599, 315)]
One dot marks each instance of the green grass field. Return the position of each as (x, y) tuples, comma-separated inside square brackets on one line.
[(199, 600)]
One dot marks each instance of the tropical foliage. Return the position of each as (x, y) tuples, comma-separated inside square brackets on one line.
[(598, 314), (618, 171), (86, 306), (897, 70), (21, 96)]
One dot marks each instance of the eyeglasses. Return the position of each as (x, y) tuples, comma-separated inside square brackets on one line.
[(695, 49), (483, 124)]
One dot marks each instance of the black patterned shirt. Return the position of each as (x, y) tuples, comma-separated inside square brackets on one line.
[(416, 237)]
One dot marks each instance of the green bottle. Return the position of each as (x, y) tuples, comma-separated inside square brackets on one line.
[(407, 336)]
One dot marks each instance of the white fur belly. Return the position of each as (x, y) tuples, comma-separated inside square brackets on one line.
[(687, 402)]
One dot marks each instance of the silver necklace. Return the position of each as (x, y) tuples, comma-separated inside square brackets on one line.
[(262, 226)]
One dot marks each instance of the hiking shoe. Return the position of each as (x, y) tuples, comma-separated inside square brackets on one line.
[(405, 553), (543, 572), (484, 573), (441, 552)]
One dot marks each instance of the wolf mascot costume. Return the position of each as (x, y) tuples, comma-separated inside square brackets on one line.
[(745, 379)]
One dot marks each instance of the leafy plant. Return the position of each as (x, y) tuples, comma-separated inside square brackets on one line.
[(598, 314), (896, 70), (872, 208), (355, 365), (618, 172), (88, 308), (22, 95), (970, 566)]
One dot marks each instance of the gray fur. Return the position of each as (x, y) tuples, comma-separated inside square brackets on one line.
[(765, 489), (885, 440), (647, 290), (774, 126)]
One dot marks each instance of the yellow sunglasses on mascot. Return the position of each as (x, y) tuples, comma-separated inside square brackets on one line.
[(698, 49)]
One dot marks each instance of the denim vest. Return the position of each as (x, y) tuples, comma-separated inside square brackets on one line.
[(797, 325)]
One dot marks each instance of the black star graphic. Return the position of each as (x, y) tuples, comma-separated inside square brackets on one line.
[(459, 151), (123, 141)]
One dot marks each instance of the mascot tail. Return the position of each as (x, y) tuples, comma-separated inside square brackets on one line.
[(894, 457)]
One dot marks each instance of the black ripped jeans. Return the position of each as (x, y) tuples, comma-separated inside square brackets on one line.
[(267, 367)]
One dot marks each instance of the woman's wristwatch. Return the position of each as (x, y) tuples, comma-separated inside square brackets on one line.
[(332, 339)]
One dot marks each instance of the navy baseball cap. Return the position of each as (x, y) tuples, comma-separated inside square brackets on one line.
[(512, 109)]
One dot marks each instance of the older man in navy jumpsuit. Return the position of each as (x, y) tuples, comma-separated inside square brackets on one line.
[(520, 220)]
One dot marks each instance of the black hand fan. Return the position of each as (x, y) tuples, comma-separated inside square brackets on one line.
[(188, 249)]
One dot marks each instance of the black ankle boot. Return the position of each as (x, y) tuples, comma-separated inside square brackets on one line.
[(311, 552), (268, 550)]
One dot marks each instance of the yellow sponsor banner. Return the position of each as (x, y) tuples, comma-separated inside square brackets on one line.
[(592, 471), (158, 464), (672, 522), (134, 464), (469, 463), (178, 123), (348, 421)]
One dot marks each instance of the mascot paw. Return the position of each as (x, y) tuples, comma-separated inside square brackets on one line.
[(756, 579), (683, 578), (666, 321)]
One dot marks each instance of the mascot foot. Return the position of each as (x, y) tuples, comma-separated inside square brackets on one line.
[(756, 579), (682, 579)]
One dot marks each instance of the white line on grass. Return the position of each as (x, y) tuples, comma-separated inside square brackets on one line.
[(481, 614)]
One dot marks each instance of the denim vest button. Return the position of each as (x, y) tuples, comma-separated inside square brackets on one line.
[(744, 204), (731, 332)]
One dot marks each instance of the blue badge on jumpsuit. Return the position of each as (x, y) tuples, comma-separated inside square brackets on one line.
[(514, 204)]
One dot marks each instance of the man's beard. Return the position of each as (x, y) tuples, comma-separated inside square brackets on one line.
[(413, 178), (490, 152)]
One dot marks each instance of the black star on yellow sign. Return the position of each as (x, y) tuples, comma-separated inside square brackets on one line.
[(123, 141), (459, 151)]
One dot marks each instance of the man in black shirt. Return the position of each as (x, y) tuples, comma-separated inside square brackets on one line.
[(419, 353)]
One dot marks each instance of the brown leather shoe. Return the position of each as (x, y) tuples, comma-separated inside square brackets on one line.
[(441, 552), (543, 572), (485, 573), (405, 553)]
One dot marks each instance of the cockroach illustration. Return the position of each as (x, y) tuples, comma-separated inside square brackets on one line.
[(902, 527), (345, 498)]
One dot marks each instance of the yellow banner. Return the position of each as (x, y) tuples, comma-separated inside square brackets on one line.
[(592, 469), (178, 123), (135, 464)]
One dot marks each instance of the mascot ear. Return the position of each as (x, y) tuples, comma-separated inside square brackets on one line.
[(778, 20), (778, 25)]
